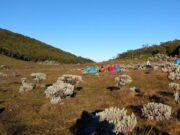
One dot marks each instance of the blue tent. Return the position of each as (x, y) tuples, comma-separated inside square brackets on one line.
[(86, 70), (116, 68), (177, 61), (92, 70)]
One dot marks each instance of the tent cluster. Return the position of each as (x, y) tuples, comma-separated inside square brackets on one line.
[(96, 69)]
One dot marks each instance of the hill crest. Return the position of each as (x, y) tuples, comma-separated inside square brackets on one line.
[(170, 48), (25, 48)]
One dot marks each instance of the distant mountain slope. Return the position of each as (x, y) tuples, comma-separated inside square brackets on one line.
[(22, 47), (170, 48)]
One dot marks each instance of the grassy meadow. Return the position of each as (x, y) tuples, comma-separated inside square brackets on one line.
[(30, 113)]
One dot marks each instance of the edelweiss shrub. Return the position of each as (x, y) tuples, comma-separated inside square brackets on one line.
[(172, 76), (156, 111), (143, 66), (140, 67), (59, 90), (161, 58), (175, 87), (3, 67), (164, 69), (64, 87), (25, 86), (155, 67), (176, 97), (123, 80), (71, 79), (136, 91), (3, 75), (122, 122), (129, 66), (55, 100), (38, 77), (133, 89), (174, 72)]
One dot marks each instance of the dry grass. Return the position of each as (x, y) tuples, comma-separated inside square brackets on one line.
[(31, 113)]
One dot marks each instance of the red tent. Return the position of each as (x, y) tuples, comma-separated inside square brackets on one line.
[(111, 69)]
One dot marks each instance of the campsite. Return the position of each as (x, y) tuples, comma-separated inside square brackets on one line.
[(90, 67), (32, 112), (97, 69)]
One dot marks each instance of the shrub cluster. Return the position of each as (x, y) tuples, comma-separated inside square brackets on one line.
[(25, 86), (4, 67), (71, 79), (175, 87), (121, 122), (174, 72), (3, 75), (160, 58), (140, 67), (38, 77), (62, 88), (122, 80), (156, 111)]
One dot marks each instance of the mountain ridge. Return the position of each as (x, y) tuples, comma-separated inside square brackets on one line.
[(29, 49), (170, 48)]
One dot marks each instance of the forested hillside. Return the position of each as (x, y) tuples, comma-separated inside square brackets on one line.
[(22, 47), (170, 48)]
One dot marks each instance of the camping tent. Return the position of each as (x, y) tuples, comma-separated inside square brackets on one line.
[(92, 70), (103, 69), (177, 61), (111, 69), (116, 68), (86, 70)]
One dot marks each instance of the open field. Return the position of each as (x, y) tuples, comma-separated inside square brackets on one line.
[(30, 113)]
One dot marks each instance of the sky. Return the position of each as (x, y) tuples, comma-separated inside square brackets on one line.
[(95, 29)]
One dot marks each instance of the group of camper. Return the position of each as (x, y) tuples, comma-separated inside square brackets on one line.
[(96, 69)]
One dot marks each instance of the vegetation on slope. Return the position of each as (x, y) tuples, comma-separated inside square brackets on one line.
[(31, 113), (170, 48), (28, 49)]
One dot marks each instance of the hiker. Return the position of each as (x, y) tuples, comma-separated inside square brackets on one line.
[(148, 64), (81, 70), (101, 68), (97, 68), (105, 69)]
